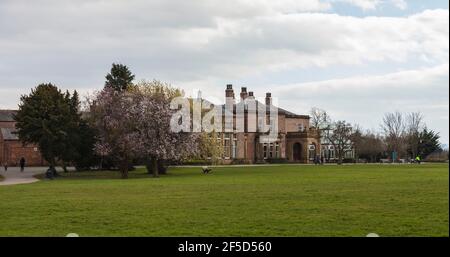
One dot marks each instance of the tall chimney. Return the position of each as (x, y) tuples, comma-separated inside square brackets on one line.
[(229, 91), (229, 98), (250, 95), (243, 93), (268, 99)]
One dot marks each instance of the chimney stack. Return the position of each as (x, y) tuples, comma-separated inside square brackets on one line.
[(229, 98), (229, 91), (268, 99), (243, 93), (250, 95)]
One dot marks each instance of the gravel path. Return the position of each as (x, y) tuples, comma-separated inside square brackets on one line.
[(13, 176)]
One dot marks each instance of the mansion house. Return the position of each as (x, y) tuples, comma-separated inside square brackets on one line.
[(296, 141)]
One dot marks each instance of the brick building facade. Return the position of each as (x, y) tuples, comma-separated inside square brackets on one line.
[(11, 149), (296, 141)]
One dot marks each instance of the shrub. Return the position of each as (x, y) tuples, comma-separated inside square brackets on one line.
[(277, 160), (240, 161), (196, 162)]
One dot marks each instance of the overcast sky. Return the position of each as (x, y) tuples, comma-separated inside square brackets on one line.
[(355, 58)]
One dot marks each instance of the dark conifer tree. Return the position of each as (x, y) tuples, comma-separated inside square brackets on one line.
[(120, 77)]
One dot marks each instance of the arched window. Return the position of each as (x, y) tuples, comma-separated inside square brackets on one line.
[(332, 153), (312, 151)]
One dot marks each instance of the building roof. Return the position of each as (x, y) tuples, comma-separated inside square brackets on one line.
[(281, 111), (291, 114), (9, 134), (7, 115)]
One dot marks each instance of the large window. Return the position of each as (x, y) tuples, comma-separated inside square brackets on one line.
[(349, 153), (271, 150), (312, 151), (277, 150), (331, 151)]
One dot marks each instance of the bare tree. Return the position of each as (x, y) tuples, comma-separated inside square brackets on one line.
[(394, 130), (339, 134), (371, 146), (319, 118), (414, 124), (357, 139)]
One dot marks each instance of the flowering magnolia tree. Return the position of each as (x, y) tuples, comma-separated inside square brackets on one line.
[(114, 115), (153, 125), (136, 124)]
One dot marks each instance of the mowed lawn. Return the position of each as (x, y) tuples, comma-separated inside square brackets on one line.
[(285, 200)]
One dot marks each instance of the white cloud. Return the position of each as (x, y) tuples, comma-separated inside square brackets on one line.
[(205, 40), (205, 44), (363, 4), (400, 4), (322, 39), (364, 99), (374, 4)]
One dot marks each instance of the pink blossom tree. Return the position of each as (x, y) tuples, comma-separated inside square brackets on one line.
[(136, 124), (114, 116), (155, 134)]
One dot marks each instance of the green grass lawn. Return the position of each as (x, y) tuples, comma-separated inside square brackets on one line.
[(285, 200)]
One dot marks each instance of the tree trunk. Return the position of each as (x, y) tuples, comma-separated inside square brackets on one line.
[(340, 158), (149, 165), (162, 168), (124, 169), (155, 167)]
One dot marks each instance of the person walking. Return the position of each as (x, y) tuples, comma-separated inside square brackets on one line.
[(5, 165), (317, 160), (22, 164), (418, 159)]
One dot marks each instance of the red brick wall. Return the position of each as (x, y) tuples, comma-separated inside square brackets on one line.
[(7, 124), (12, 151)]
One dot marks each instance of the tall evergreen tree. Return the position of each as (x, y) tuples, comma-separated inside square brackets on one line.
[(428, 142), (120, 78), (46, 118), (85, 156), (79, 149)]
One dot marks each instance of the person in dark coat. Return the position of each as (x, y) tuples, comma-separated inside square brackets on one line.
[(49, 173), (317, 160), (22, 164)]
